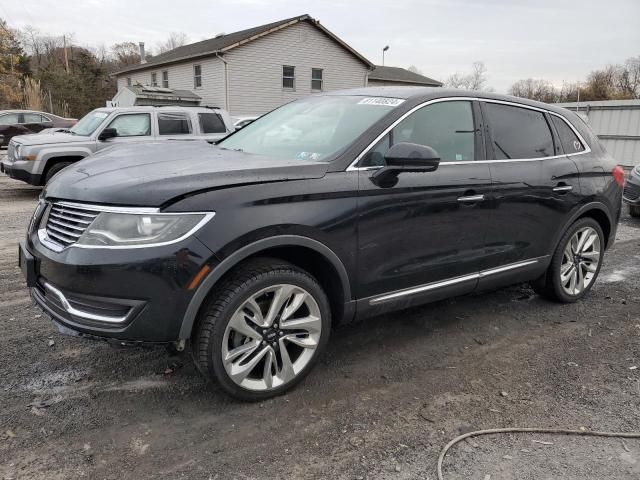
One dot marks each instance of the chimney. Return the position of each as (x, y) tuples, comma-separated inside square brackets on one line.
[(142, 56)]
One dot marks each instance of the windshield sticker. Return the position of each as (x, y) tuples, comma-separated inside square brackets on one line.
[(101, 115), (381, 101)]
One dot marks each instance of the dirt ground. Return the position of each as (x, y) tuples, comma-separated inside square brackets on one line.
[(388, 395)]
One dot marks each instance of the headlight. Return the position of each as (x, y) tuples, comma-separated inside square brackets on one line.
[(111, 229)]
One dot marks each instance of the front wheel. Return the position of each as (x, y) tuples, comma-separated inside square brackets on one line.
[(575, 264), (55, 168), (263, 330)]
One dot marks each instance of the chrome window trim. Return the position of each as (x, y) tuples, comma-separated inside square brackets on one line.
[(451, 281), (352, 166)]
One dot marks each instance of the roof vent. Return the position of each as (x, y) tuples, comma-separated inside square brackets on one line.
[(218, 35)]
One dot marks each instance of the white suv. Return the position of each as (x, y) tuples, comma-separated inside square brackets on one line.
[(36, 158)]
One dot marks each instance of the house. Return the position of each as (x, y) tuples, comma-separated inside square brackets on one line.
[(132, 95), (256, 70), (382, 76)]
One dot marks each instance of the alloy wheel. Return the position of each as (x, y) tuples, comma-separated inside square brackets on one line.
[(272, 337), (580, 261)]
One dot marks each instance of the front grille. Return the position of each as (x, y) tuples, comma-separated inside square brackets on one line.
[(631, 191), (65, 224)]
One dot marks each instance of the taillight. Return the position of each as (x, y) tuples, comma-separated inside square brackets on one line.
[(618, 175)]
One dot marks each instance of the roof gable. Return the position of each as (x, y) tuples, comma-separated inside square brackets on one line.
[(223, 43)]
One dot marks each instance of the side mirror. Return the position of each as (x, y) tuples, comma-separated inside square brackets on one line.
[(406, 157), (108, 133)]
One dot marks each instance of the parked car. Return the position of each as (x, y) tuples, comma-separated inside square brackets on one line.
[(35, 159), (253, 248), (239, 122), (23, 122), (632, 192)]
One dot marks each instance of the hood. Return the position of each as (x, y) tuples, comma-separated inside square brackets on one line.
[(50, 138), (153, 174)]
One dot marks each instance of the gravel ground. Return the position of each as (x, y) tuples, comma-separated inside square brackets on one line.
[(388, 395)]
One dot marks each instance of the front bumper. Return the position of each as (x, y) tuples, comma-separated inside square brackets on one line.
[(14, 171), (129, 296)]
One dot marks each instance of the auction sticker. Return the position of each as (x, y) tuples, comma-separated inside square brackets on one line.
[(381, 101)]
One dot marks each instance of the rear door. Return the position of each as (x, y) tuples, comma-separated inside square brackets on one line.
[(10, 126), (535, 185), (424, 237)]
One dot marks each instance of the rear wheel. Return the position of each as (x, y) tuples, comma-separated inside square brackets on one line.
[(634, 210), (263, 330), (575, 264), (55, 169)]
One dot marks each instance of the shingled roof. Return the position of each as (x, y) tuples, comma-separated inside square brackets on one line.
[(223, 43), (401, 75)]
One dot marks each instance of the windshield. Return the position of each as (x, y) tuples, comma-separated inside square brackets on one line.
[(311, 129), (88, 124)]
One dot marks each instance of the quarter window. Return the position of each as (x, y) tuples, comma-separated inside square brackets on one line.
[(211, 123), (132, 125), (518, 133), (197, 76), (288, 77), (316, 79), (569, 140), (165, 78), (174, 123), (154, 79), (446, 127)]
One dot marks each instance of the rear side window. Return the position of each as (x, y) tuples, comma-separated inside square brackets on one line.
[(211, 123), (518, 132), (34, 118), (174, 123), (569, 140)]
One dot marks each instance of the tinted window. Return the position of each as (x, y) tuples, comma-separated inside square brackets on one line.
[(9, 119), (518, 132), (445, 126), (174, 123), (132, 125), (569, 140), (211, 123)]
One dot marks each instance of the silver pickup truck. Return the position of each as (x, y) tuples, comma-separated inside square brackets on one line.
[(36, 158)]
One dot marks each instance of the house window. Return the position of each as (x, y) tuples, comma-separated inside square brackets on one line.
[(316, 79), (154, 79), (128, 81), (165, 78), (288, 77), (197, 76)]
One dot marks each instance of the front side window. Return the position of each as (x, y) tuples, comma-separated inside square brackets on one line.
[(288, 77), (165, 78), (9, 119), (447, 127), (174, 123), (518, 133), (197, 76), (316, 79), (211, 123), (132, 125), (154, 79), (569, 140), (313, 128), (89, 123)]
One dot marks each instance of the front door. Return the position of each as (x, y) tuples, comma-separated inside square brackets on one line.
[(131, 127), (424, 237)]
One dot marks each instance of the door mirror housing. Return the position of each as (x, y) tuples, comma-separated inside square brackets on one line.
[(108, 133), (406, 157)]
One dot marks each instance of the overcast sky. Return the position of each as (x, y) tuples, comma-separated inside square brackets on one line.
[(558, 40)]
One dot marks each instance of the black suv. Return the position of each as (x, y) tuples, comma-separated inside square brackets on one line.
[(333, 207)]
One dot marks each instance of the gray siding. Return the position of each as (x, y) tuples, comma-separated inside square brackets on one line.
[(255, 69), (181, 78)]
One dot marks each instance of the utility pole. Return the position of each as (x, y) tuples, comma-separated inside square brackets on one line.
[(66, 57)]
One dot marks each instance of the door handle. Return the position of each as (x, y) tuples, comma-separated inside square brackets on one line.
[(562, 188), (471, 199)]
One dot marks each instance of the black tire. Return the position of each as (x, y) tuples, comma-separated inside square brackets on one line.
[(248, 279), (55, 169), (549, 284), (634, 210)]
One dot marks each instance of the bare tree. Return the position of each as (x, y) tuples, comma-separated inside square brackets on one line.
[(175, 40), (125, 54), (474, 80), (414, 69), (534, 89)]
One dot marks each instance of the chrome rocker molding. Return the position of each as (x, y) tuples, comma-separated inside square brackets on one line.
[(452, 281), (79, 313)]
